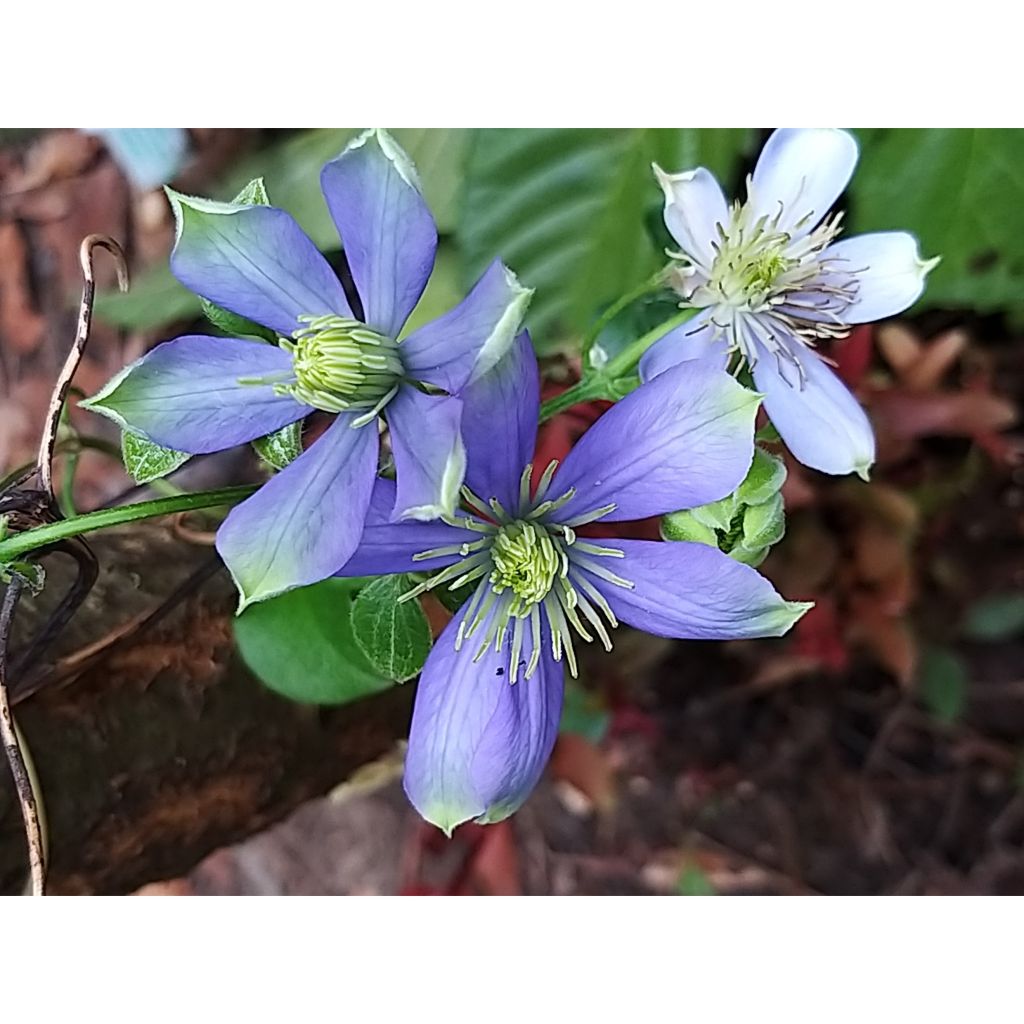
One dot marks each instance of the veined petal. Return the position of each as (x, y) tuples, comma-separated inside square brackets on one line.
[(478, 743), (465, 343), (694, 208), (890, 273), (304, 523), (430, 459), (822, 424), (684, 439), (253, 260), (390, 238), (387, 547), (696, 340), (802, 172), (185, 394), (694, 592), (499, 424)]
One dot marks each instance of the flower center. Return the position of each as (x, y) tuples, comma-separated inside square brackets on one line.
[(525, 562), (341, 365), (528, 565)]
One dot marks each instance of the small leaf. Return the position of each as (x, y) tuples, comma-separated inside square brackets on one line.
[(942, 684), (31, 574), (301, 645), (995, 618), (282, 447), (146, 461), (394, 636)]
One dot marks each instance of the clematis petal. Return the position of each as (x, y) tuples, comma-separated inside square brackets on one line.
[(253, 260), (185, 394), (685, 438), (430, 459), (800, 173), (390, 238), (693, 592), (468, 341), (304, 523), (478, 743), (822, 424), (387, 547), (694, 208), (696, 340), (890, 273), (503, 403)]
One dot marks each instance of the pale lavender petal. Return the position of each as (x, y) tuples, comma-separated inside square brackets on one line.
[(253, 260), (697, 339), (889, 269), (390, 237), (387, 547), (304, 523), (502, 404), (465, 343), (185, 394), (822, 424), (801, 172), (694, 208), (478, 742), (684, 439), (692, 592), (430, 459)]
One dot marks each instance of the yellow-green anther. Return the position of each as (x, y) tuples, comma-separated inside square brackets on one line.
[(340, 364)]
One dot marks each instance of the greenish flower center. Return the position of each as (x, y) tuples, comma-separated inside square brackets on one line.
[(525, 562), (764, 269), (341, 365)]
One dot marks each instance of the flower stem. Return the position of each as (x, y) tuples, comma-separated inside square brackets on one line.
[(653, 283), (21, 543), (601, 383)]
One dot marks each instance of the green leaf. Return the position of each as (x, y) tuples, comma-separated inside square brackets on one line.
[(960, 191), (694, 882), (146, 461), (583, 713), (282, 447), (995, 618), (395, 637), (566, 210), (301, 645), (942, 684), (292, 172)]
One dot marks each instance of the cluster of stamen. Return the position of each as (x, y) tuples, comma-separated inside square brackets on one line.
[(341, 365), (525, 565), (769, 285)]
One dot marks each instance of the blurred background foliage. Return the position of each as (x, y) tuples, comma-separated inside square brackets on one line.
[(576, 212)]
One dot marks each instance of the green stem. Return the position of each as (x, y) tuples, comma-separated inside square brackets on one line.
[(596, 385), (41, 536), (653, 283)]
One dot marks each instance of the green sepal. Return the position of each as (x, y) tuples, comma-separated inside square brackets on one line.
[(394, 636), (282, 447), (765, 479), (684, 526), (765, 524), (146, 461)]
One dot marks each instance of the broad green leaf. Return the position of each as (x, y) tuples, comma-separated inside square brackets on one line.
[(942, 684), (395, 637), (291, 170), (146, 461), (281, 448), (301, 645), (995, 618), (960, 191), (567, 210)]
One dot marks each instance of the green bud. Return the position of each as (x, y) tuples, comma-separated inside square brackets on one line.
[(746, 523)]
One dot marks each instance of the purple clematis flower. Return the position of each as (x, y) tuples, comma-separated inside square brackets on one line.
[(490, 694), (770, 281), (204, 394)]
